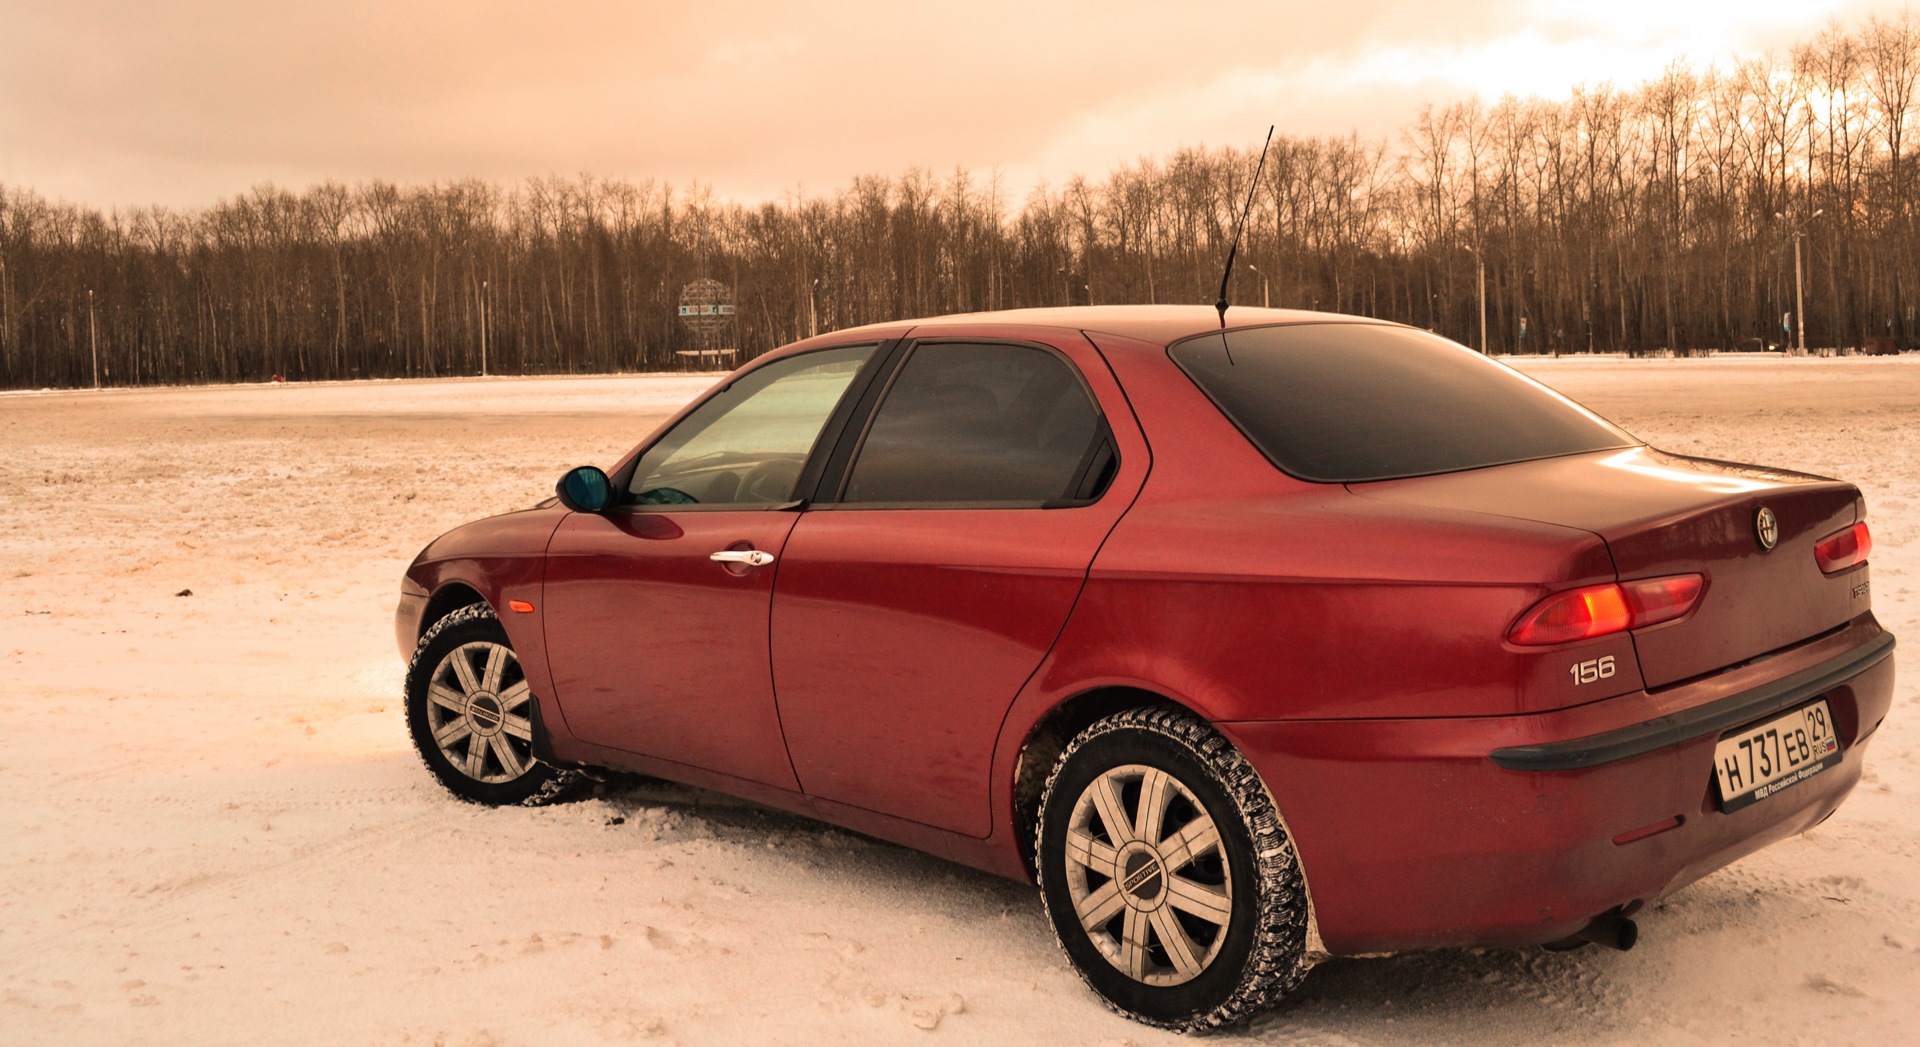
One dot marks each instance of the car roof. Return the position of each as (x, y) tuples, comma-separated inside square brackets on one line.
[(1156, 324)]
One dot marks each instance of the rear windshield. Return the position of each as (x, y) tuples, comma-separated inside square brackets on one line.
[(1347, 402)]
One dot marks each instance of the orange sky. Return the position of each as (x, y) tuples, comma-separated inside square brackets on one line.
[(122, 103)]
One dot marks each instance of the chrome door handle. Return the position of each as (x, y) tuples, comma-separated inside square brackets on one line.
[(750, 557)]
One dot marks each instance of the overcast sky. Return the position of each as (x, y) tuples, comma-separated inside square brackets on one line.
[(118, 102)]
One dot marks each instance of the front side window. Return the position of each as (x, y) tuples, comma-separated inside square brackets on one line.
[(1350, 402), (977, 424), (747, 444)]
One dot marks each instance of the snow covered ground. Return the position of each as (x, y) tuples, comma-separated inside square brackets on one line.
[(212, 829)]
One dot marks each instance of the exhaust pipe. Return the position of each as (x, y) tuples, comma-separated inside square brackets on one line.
[(1611, 930)]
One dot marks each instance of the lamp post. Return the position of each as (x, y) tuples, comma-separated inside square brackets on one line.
[(483, 328), (1799, 282), (1483, 306), (1482, 262), (1266, 289), (93, 338), (1069, 276)]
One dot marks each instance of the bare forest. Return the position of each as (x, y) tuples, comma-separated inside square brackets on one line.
[(1661, 216)]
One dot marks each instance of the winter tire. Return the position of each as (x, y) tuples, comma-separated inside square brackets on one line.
[(471, 714), (1171, 883)]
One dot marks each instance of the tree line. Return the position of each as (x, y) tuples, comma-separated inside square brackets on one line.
[(1662, 216)]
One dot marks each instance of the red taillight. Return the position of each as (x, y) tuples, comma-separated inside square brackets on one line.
[(1576, 614), (1662, 599), (1597, 610), (1848, 548)]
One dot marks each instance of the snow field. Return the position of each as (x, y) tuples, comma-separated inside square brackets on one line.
[(213, 830)]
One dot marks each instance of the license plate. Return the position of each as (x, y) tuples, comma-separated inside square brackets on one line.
[(1755, 762)]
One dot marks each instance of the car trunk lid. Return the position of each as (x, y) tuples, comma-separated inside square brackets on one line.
[(1663, 514)]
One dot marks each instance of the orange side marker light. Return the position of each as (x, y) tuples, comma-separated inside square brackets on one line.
[(521, 606)]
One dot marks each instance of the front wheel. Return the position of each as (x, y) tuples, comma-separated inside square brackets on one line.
[(1170, 881), (471, 714)]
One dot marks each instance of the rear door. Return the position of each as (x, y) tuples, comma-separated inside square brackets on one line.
[(948, 544)]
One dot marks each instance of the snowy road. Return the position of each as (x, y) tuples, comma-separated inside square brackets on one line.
[(212, 829)]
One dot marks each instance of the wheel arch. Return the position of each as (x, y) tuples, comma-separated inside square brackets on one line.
[(1048, 738), (448, 598)]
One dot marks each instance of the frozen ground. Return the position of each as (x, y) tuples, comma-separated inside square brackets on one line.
[(212, 830)]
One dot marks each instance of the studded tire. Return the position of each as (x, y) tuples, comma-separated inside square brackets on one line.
[(1215, 848), (482, 753)]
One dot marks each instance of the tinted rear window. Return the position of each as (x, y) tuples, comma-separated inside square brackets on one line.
[(1346, 402)]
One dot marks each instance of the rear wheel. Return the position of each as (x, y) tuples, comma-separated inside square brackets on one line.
[(471, 714), (1169, 879)]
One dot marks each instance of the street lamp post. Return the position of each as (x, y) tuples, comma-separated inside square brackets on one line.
[(1799, 281), (1070, 276), (1483, 300), (93, 339), (1266, 289), (1799, 294), (483, 328)]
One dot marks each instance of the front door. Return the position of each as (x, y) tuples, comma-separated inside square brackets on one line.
[(659, 650), (657, 647)]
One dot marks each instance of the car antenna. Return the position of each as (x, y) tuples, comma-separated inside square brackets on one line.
[(1239, 228)]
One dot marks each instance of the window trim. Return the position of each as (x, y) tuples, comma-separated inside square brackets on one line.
[(831, 491), (851, 432), (843, 411)]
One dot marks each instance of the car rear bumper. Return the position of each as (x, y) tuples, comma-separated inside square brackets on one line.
[(1413, 836)]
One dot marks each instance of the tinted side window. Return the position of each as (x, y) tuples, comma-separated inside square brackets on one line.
[(1345, 402), (746, 445), (969, 423)]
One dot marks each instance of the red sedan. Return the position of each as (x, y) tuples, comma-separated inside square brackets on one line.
[(1252, 642)]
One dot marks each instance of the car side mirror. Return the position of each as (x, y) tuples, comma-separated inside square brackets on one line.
[(585, 490)]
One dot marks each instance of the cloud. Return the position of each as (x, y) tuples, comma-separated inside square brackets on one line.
[(113, 103)]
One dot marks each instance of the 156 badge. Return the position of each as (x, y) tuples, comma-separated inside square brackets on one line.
[(1592, 670)]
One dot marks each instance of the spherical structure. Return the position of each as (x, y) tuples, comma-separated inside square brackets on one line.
[(706, 307)]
